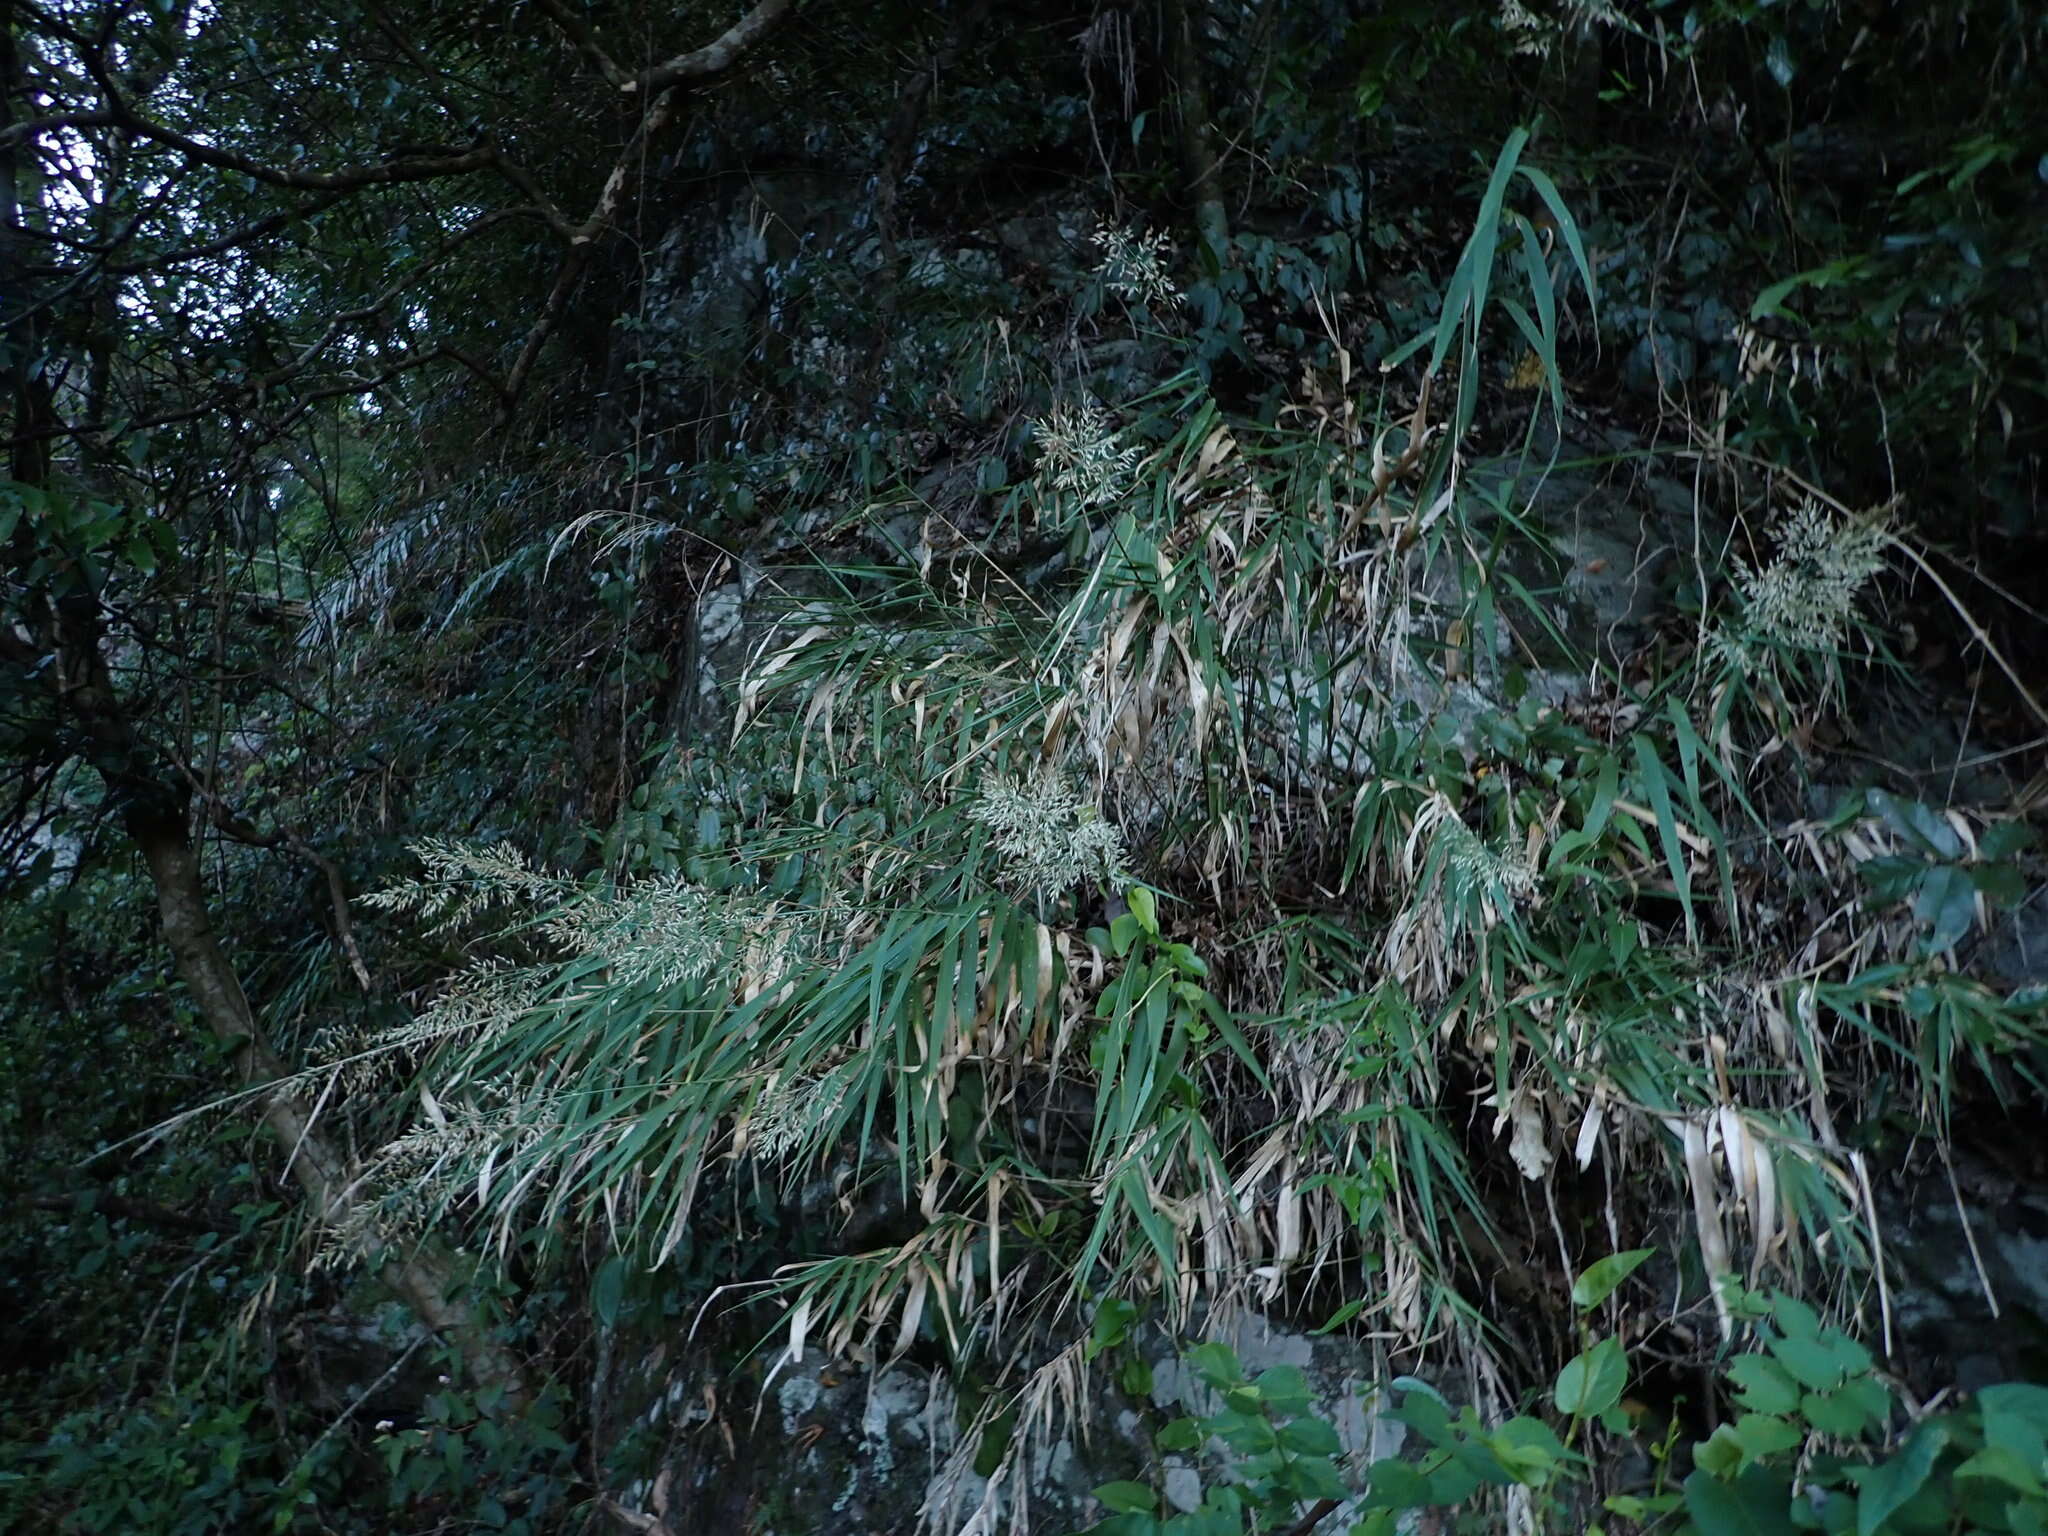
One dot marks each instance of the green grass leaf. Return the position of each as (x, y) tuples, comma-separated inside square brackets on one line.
[(1600, 1278)]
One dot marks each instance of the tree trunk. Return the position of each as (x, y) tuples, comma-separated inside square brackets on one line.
[(424, 1277), (1197, 154), (65, 622)]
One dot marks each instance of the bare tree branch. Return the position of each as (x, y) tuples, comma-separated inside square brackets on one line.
[(397, 170), (261, 229), (236, 396), (661, 87), (666, 83), (703, 65), (120, 1208), (587, 44), (36, 127), (406, 168)]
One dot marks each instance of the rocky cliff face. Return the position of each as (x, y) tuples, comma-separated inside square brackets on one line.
[(823, 1447)]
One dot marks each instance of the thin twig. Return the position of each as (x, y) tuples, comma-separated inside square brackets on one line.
[(1948, 1166), (1977, 630)]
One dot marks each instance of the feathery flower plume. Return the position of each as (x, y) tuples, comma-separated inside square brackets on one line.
[(1134, 266), (1079, 449), (1050, 838)]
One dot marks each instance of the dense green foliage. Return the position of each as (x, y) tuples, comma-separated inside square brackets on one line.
[(1804, 1384), (931, 681)]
